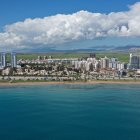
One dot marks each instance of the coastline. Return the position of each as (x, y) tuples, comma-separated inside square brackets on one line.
[(29, 83)]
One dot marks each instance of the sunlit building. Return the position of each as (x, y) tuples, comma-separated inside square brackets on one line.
[(13, 60), (3, 59), (104, 63)]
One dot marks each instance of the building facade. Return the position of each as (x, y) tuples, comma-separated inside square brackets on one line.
[(104, 63), (13, 60), (134, 61), (3, 59)]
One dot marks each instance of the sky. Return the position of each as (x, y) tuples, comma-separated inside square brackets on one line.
[(68, 24)]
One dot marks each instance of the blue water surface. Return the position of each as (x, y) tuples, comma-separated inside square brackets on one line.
[(70, 112)]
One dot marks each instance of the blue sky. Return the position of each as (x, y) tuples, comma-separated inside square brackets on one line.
[(12, 11)]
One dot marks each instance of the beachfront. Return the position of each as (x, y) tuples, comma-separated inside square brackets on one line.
[(19, 83)]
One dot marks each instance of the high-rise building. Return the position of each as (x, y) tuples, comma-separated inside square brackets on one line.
[(105, 63), (92, 55), (13, 60), (134, 61), (3, 59)]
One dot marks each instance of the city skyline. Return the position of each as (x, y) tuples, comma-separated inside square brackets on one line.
[(68, 25), (3, 60)]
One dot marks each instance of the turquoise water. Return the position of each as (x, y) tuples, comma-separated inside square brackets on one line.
[(70, 112)]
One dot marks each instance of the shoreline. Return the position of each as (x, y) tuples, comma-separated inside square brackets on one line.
[(29, 83)]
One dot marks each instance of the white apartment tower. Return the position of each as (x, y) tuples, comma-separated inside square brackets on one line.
[(3, 59), (104, 63), (13, 60), (134, 61)]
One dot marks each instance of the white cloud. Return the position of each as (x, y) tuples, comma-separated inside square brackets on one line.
[(60, 28)]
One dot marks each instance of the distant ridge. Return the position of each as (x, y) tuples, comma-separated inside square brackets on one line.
[(128, 48)]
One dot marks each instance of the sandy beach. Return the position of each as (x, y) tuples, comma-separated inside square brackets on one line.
[(62, 83)]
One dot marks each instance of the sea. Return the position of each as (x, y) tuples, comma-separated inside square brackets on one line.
[(70, 112)]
